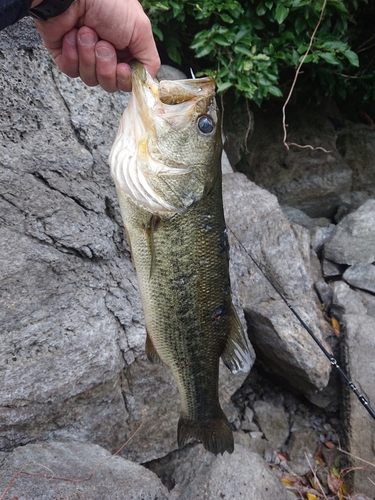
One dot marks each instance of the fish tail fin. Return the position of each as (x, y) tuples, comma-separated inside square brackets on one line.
[(215, 434)]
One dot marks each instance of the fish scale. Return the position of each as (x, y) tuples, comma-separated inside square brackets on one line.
[(181, 260)]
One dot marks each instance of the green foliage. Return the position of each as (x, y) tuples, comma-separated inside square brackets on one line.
[(255, 46)]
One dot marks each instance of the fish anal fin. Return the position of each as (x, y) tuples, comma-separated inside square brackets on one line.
[(237, 355), (215, 434), (151, 353)]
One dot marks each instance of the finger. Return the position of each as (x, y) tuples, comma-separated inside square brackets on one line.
[(124, 77), (143, 46), (86, 41), (67, 61), (106, 62)]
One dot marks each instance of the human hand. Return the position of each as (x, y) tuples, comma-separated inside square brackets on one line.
[(95, 39)]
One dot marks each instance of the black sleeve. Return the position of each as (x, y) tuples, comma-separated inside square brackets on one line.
[(12, 10)]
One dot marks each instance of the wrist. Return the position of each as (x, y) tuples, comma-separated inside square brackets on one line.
[(35, 3)]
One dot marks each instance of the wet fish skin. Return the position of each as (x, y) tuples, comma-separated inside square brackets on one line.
[(180, 250)]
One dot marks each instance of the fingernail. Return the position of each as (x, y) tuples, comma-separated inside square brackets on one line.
[(104, 53), (72, 37), (87, 39)]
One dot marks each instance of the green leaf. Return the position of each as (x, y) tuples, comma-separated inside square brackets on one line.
[(175, 7), (240, 34), (158, 33), (221, 40), (275, 91), (329, 57), (261, 9), (352, 58), (226, 18), (241, 49), (223, 86), (174, 54), (281, 13), (204, 51), (300, 25)]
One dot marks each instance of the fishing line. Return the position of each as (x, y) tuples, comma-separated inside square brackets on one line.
[(331, 358)]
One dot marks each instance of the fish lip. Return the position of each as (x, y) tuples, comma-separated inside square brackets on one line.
[(165, 93)]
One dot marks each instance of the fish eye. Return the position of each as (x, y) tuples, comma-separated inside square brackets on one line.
[(206, 124)]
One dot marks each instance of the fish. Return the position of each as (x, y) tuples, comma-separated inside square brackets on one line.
[(166, 166)]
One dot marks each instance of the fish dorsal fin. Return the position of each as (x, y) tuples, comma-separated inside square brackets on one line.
[(151, 353), (237, 355)]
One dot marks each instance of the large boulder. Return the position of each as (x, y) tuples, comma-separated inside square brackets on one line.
[(356, 144), (356, 313), (353, 239), (257, 227), (72, 333), (195, 474), (312, 180), (71, 470)]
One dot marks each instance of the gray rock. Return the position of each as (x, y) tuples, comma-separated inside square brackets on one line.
[(87, 471), (253, 441), (301, 449), (273, 422), (319, 236), (63, 260), (315, 267), (356, 143), (325, 292), (256, 223), (353, 239), (346, 301), (71, 324), (240, 475), (359, 347), (298, 217), (167, 72), (368, 301), (361, 276), (310, 180), (331, 269)]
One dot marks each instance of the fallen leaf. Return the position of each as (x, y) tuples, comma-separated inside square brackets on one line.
[(334, 483), (330, 445), (335, 472), (366, 118), (344, 491), (282, 456), (311, 496), (286, 482), (319, 458), (336, 326)]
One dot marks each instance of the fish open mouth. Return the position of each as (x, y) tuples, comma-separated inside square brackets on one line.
[(176, 101)]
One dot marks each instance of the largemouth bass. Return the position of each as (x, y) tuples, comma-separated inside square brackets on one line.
[(166, 164)]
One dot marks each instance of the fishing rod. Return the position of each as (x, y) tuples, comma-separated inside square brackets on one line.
[(331, 358)]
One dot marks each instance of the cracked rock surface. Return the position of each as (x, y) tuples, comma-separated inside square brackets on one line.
[(72, 362)]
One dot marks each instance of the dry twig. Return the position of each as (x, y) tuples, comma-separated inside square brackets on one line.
[(287, 144)]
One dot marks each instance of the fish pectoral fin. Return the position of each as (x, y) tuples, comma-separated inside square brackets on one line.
[(151, 353), (215, 433), (237, 355)]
